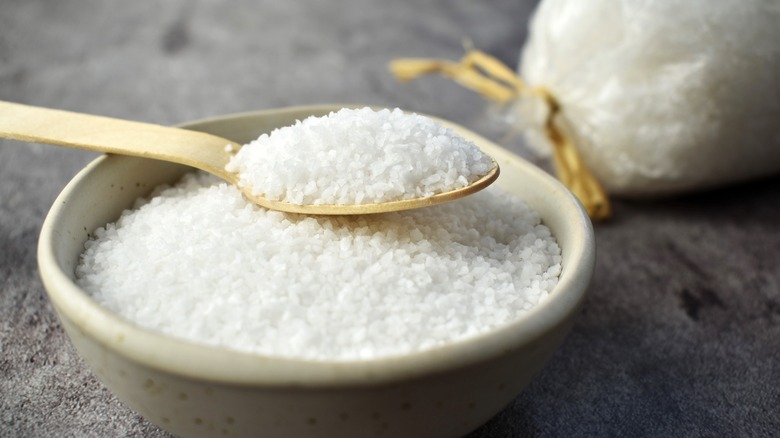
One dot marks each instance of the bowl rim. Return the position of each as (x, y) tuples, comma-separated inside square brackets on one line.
[(188, 359)]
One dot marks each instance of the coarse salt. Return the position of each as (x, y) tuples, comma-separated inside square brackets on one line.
[(198, 262), (358, 156)]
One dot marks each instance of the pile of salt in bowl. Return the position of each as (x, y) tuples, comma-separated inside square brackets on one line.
[(197, 261)]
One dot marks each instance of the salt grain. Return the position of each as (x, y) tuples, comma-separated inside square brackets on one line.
[(198, 262), (358, 156)]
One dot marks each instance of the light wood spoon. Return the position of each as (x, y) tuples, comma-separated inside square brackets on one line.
[(192, 148)]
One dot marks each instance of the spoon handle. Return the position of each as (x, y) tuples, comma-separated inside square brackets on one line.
[(109, 135)]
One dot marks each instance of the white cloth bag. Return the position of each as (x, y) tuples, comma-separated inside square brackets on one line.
[(661, 96)]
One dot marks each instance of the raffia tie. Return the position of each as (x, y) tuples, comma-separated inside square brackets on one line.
[(492, 79)]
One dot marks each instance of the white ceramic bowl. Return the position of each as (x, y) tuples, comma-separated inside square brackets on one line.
[(196, 390)]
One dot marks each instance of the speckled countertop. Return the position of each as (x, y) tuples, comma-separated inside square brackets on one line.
[(680, 335)]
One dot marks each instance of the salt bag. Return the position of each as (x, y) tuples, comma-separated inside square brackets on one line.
[(654, 97), (661, 96)]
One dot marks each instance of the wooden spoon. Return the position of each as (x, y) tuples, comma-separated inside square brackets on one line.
[(197, 149)]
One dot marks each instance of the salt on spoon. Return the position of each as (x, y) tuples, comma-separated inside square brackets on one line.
[(358, 159), (215, 155)]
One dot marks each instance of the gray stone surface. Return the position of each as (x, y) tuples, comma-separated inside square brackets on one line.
[(679, 337)]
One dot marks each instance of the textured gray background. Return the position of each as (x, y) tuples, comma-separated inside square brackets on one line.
[(679, 336)]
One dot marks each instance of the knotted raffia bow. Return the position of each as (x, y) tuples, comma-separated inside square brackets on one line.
[(495, 81)]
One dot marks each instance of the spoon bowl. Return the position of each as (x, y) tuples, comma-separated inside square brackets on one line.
[(201, 150), (382, 207)]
